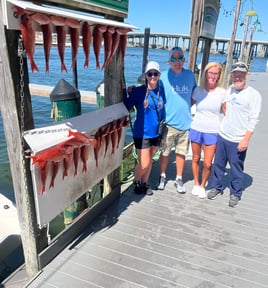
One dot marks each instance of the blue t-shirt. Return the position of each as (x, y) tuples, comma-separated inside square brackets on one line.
[(146, 122), (178, 91)]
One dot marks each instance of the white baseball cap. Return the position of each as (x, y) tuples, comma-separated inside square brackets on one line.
[(152, 65)]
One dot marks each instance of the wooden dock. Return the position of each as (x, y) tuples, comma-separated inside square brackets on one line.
[(172, 240)]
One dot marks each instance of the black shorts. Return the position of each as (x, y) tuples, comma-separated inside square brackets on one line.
[(141, 143)]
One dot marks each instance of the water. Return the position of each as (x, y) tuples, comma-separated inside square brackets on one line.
[(88, 79)]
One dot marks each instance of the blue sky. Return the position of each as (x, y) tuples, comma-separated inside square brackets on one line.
[(174, 16)]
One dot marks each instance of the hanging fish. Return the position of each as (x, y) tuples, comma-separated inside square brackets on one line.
[(86, 41), (84, 157), (96, 147), (44, 172), (76, 157), (55, 170), (74, 27), (115, 42), (59, 23), (97, 40), (79, 136), (54, 153), (107, 35), (67, 161), (123, 45), (113, 134), (28, 37)]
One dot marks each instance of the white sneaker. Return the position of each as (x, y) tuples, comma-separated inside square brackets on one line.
[(202, 193), (195, 190), (180, 187)]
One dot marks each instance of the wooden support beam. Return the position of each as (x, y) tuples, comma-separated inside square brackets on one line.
[(15, 117)]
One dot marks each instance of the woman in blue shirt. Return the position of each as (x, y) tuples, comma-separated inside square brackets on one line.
[(148, 100)]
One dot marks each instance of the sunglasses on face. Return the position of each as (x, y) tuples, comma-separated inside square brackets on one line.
[(176, 59), (150, 74), (240, 66)]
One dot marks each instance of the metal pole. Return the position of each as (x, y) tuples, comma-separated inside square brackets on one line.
[(247, 60), (231, 45), (242, 50)]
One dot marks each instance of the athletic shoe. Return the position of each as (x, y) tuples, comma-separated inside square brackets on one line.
[(195, 190), (137, 187), (213, 193), (233, 200), (146, 189), (162, 183), (202, 193), (180, 187)]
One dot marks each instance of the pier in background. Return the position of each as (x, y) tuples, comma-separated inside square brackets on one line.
[(219, 45)]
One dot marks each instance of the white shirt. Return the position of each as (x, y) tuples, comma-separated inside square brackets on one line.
[(208, 109)]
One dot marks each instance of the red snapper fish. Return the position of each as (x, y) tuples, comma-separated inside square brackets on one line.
[(44, 172), (123, 45), (67, 161), (28, 37), (84, 157), (80, 137), (115, 42), (44, 21), (76, 157), (59, 23), (86, 41), (97, 39), (74, 27), (55, 170), (107, 35), (54, 153)]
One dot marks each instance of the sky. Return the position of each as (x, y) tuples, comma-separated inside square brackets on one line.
[(174, 17)]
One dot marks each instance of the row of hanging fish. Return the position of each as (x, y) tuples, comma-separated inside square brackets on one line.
[(111, 37), (75, 149)]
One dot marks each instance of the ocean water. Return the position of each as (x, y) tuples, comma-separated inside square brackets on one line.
[(88, 79)]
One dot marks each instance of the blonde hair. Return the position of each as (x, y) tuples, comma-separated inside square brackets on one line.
[(204, 78)]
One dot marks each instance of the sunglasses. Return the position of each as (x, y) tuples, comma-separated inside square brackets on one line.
[(176, 59), (150, 74), (243, 66)]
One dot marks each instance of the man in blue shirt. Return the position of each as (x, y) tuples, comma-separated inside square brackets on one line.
[(179, 84)]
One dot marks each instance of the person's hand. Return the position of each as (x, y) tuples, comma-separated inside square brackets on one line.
[(130, 89), (243, 145)]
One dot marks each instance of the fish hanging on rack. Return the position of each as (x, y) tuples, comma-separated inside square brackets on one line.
[(59, 24), (44, 173), (113, 134), (28, 38), (86, 41), (123, 44), (44, 21), (55, 170), (97, 40), (74, 27), (67, 161), (84, 156), (107, 35)]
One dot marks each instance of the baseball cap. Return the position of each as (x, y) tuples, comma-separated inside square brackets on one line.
[(174, 50), (152, 65), (240, 66)]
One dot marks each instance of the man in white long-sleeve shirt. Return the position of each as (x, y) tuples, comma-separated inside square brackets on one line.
[(243, 106)]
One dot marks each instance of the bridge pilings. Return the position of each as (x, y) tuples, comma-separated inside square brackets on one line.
[(219, 45)]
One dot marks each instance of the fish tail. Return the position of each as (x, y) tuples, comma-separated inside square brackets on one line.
[(51, 184), (84, 168), (64, 174), (63, 68), (34, 67), (86, 63)]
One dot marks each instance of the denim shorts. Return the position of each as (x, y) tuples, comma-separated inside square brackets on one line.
[(203, 138), (141, 143)]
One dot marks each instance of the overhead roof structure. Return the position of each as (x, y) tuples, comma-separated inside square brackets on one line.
[(13, 22)]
